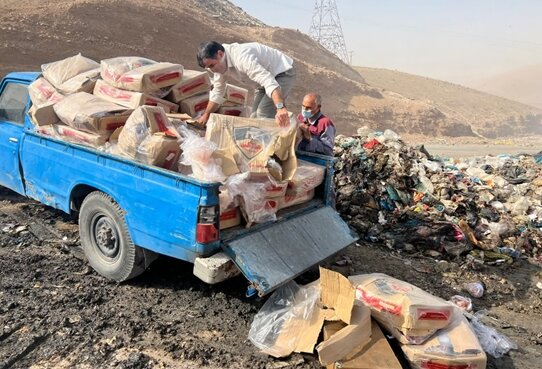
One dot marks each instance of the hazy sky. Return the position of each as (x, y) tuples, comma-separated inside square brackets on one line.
[(454, 40)]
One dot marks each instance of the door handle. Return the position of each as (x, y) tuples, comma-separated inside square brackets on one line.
[(13, 139)]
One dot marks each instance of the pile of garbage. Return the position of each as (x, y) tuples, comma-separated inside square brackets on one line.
[(352, 313), (400, 195)]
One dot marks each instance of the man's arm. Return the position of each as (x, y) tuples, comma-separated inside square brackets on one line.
[(322, 144), (216, 97)]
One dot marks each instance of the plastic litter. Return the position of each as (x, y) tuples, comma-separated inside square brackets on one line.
[(462, 302), (475, 289), (493, 342)]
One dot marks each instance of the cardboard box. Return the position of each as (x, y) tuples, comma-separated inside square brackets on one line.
[(307, 177), (140, 74), (131, 99), (71, 134), (195, 105), (159, 150), (451, 348), (246, 145), (73, 74), (235, 110), (143, 123), (42, 92), (89, 113), (377, 354), (273, 188), (400, 304), (291, 200), (230, 218), (43, 115), (236, 94), (192, 83)]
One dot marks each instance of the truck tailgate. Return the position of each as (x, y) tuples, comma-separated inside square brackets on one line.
[(272, 256)]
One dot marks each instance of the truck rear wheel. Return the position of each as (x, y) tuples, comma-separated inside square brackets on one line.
[(106, 240)]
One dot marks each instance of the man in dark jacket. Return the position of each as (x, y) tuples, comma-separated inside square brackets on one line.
[(317, 130)]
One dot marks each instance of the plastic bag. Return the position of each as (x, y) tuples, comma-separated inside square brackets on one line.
[(290, 303), (493, 342), (475, 289), (198, 153)]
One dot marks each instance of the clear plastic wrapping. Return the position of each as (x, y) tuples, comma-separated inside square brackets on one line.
[(276, 328), (493, 342)]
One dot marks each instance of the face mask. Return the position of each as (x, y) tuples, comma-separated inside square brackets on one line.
[(306, 113)]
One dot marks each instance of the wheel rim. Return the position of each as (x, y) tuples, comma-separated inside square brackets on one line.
[(105, 236)]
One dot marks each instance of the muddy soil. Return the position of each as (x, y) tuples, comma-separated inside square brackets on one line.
[(55, 312)]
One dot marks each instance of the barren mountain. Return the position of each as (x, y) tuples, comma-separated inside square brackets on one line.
[(39, 31), (515, 85)]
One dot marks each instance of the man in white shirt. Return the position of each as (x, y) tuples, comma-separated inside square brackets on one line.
[(268, 67)]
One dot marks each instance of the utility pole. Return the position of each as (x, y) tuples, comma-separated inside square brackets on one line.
[(326, 28)]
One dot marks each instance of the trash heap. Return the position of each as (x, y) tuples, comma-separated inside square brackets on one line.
[(402, 196), (128, 106), (352, 313)]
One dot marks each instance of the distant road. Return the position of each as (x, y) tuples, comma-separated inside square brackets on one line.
[(469, 150)]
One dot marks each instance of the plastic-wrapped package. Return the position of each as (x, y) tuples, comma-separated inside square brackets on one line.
[(140, 74), (197, 153), (73, 74), (455, 346), (492, 341), (71, 134), (307, 177), (246, 144), (131, 99), (192, 83), (400, 304), (236, 94), (276, 327), (90, 113), (42, 92)]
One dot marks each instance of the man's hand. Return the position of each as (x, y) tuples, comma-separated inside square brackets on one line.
[(282, 118), (305, 131), (203, 119)]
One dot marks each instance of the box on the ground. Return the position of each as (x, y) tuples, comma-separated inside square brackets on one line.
[(377, 354), (131, 99), (247, 145), (89, 113), (192, 83), (401, 304), (194, 105), (140, 74), (236, 94), (73, 74), (453, 347)]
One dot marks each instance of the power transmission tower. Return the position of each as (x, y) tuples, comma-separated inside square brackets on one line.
[(326, 28)]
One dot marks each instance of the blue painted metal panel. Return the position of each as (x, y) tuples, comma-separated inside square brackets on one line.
[(274, 255)]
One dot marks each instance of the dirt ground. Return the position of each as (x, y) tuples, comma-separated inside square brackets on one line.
[(55, 312)]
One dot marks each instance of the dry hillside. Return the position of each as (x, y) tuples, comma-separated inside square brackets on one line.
[(39, 31)]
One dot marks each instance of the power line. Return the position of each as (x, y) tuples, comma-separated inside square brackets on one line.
[(326, 28)]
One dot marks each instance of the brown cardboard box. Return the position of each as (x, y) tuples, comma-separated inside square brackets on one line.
[(307, 177), (401, 304), (131, 99), (230, 218), (377, 354), (194, 105), (291, 200), (235, 110), (42, 92), (192, 83), (140, 74), (236, 94), (273, 188), (89, 113), (159, 150), (450, 348), (246, 145), (44, 114), (73, 135), (73, 74)]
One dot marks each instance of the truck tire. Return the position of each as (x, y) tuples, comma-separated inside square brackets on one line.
[(106, 241)]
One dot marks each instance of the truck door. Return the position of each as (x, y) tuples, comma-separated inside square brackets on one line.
[(13, 101)]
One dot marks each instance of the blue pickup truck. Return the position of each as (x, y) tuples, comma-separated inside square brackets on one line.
[(130, 212)]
